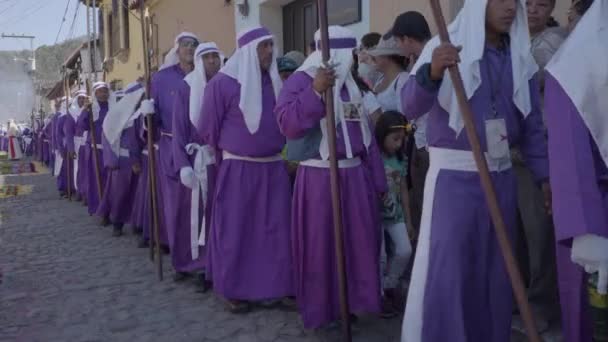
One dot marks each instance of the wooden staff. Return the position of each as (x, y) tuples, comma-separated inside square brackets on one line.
[(487, 185), (335, 180), (90, 110), (66, 87), (151, 151)]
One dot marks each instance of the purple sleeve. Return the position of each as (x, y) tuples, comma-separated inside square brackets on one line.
[(59, 142), (69, 129), (83, 121), (155, 93), (578, 206), (210, 124), (299, 108), (534, 143), (181, 128), (419, 94), (130, 143)]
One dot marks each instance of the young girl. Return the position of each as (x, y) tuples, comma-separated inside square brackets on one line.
[(391, 135)]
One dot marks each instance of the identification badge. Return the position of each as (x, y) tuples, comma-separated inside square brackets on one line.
[(497, 139), (352, 111)]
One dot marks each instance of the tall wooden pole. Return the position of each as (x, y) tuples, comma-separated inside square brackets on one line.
[(335, 180), (66, 87), (91, 117), (488, 186), (150, 139)]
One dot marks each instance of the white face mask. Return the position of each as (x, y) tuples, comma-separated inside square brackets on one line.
[(369, 73)]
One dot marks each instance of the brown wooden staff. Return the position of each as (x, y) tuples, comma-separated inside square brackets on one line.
[(90, 110), (151, 151), (335, 180), (487, 185), (66, 87)]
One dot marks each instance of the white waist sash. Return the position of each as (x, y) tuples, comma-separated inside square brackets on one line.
[(342, 164), (145, 151), (440, 159), (227, 155), (204, 156), (123, 153)]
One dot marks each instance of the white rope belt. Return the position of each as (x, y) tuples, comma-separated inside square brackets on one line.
[(458, 160), (227, 155), (342, 164)]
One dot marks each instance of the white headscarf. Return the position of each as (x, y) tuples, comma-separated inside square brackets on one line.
[(468, 31), (244, 66), (342, 41), (74, 108), (581, 68), (172, 58), (197, 79), (96, 107), (122, 115)]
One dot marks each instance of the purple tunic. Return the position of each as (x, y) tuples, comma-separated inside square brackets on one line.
[(185, 133), (460, 290), (249, 239), (164, 90), (69, 129), (579, 180), (93, 197), (59, 144), (121, 182), (299, 109), (81, 176), (46, 137)]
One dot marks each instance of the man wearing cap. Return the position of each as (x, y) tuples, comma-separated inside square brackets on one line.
[(249, 238), (178, 63), (122, 168), (301, 116), (98, 110), (194, 160)]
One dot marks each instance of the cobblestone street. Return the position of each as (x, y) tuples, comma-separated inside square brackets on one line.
[(64, 278)]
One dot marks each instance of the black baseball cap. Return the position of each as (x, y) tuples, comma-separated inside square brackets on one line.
[(413, 25)]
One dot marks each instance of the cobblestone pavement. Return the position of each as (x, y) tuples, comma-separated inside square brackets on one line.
[(66, 279)]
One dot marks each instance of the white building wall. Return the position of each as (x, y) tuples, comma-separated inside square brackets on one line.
[(269, 13)]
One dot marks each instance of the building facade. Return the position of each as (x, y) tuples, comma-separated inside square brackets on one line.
[(295, 21)]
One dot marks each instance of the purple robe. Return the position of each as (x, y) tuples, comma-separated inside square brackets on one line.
[(4, 143), (81, 176), (52, 140), (59, 144), (93, 197), (46, 136), (185, 133), (121, 183), (249, 239), (141, 215), (579, 181), (460, 290), (69, 129), (164, 91), (299, 109)]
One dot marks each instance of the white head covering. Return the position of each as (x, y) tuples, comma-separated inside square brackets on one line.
[(74, 108), (172, 58), (96, 107), (197, 79), (244, 66), (468, 31), (342, 41), (121, 115), (586, 82)]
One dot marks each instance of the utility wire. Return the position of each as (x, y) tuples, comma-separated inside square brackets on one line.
[(62, 21)]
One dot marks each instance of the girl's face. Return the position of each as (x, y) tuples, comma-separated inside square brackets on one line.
[(393, 142)]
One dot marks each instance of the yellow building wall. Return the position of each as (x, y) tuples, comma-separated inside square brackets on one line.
[(209, 20), (384, 12), (128, 65)]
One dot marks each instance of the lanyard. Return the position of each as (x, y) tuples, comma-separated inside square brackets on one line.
[(495, 87)]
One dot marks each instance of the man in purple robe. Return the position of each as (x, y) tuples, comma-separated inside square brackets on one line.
[(178, 63), (80, 148), (59, 146), (575, 108), (98, 110), (301, 116), (121, 182), (194, 161), (460, 290), (46, 137), (66, 133), (249, 238)]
